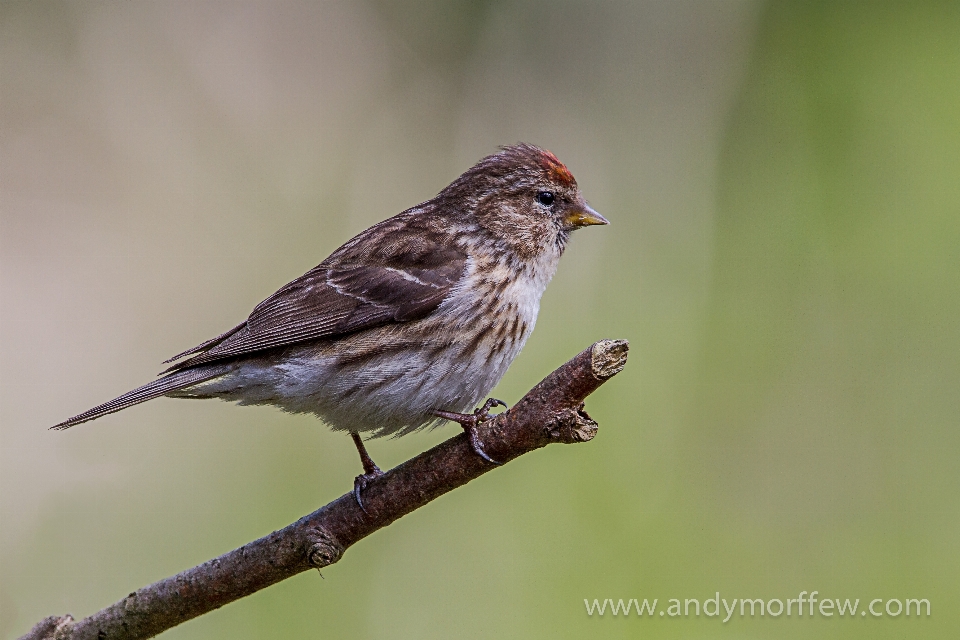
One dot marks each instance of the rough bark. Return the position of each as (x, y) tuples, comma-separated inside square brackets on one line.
[(551, 412)]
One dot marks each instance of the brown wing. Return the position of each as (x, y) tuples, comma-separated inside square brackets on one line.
[(390, 273)]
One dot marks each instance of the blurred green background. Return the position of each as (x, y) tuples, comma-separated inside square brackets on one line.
[(783, 184)]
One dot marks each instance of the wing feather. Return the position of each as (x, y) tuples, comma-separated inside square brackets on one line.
[(397, 273)]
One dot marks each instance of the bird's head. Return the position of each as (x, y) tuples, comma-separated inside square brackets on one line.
[(525, 196)]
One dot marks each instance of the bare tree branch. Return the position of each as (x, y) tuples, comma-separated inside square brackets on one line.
[(551, 412)]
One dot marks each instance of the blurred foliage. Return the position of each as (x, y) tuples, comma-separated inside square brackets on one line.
[(782, 182)]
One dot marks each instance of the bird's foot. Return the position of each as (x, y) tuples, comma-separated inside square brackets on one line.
[(361, 481), (470, 421), (370, 470)]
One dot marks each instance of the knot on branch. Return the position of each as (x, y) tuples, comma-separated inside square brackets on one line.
[(51, 628), (570, 426), (323, 547)]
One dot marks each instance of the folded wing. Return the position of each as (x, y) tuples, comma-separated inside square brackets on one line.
[(402, 274)]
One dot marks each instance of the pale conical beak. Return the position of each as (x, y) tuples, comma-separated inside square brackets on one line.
[(583, 215)]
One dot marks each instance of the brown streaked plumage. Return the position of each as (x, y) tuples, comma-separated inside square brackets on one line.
[(412, 321)]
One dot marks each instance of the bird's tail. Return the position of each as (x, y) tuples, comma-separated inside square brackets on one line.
[(149, 391)]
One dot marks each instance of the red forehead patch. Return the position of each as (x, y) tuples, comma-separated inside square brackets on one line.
[(556, 168)]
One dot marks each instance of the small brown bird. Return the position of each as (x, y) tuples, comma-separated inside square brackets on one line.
[(411, 322)]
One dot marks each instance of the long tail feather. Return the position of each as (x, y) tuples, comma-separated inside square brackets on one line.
[(149, 391)]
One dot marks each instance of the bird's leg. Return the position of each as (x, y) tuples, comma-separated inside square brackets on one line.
[(370, 469), (469, 422)]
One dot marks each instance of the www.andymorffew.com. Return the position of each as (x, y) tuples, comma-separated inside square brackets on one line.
[(805, 605)]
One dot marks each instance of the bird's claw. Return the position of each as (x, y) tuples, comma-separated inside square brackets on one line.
[(483, 413), (476, 446), (470, 421), (360, 483)]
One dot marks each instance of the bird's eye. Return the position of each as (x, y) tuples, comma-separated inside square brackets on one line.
[(545, 198)]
